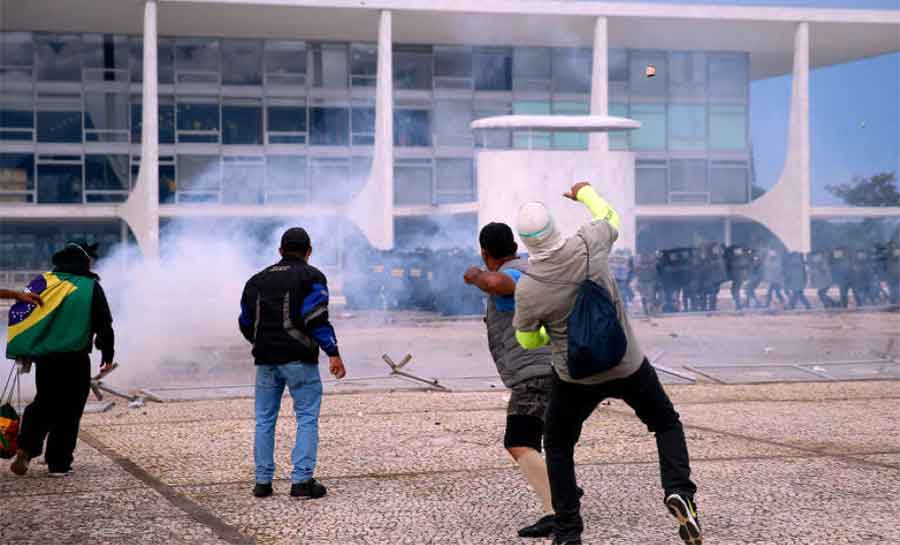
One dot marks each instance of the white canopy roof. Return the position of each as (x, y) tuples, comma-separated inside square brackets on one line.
[(571, 123)]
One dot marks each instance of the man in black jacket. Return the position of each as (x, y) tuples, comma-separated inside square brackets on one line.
[(284, 314), (63, 379)]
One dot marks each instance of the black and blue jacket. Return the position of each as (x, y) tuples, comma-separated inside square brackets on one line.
[(284, 313)]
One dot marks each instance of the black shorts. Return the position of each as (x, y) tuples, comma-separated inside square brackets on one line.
[(525, 413)]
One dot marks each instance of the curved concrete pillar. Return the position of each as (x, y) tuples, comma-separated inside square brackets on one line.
[(373, 209), (141, 210), (785, 209)]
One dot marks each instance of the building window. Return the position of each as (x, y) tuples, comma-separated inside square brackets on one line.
[(59, 118), (570, 139), (688, 181), (286, 121), (412, 128), (16, 177), (413, 67), (241, 121), (492, 69), (199, 178), (242, 62), (285, 63), (329, 126), (413, 182), (16, 57), (454, 180), (617, 60), (59, 181), (618, 140), (197, 61), (106, 178), (531, 139), (572, 70), (198, 120), (58, 57), (452, 119), (243, 179), (363, 65), (105, 58), (17, 115), (330, 178), (642, 86), (362, 126), (687, 127), (652, 134), (453, 68), (531, 69), (330, 66), (729, 182), (651, 180), (106, 116), (166, 105), (492, 139), (728, 127), (687, 75), (286, 180), (728, 76), (165, 59)]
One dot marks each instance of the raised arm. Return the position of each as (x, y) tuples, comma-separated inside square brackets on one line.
[(600, 209), (493, 283)]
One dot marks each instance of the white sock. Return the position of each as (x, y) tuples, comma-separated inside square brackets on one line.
[(535, 470)]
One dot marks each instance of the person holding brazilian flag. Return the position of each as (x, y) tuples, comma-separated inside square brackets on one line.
[(58, 336)]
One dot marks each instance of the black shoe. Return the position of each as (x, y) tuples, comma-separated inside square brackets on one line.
[(541, 528), (683, 508), (570, 541), (311, 489), (262, 490)]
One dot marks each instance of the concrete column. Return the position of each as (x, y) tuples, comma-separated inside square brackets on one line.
[(600, 82), (727, 231), (373, 209), (141, 210)]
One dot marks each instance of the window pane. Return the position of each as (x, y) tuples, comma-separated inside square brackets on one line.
[(106, 117), (286, 61), (106, 172), (412, 128), (287, 123), (363, 64), (286, 179), (167, 184), (330, 64), (242, 62), (59, 184), (568, 139), (618, 65), (105, 57), (243, 182), (413, 182), (531, 139), (640, 84), (651, 186), (492, 139), (198, 173), (652, 134), (166, 120), (197, 60), (242, 122), (572, 70), (412, 67), (687, 74), (16, 114), (531, 69), (493, 70), (330, 179), (16, 172), (451, 123), (618, 140), (728, 76), (59, 118), (329, 126), (455, 181), (688, 182), (728, 127), (729, 182), (687, 127), (165, 59), (58, 57), (198, 119), (363, 126), (16, 56), (453, 67)]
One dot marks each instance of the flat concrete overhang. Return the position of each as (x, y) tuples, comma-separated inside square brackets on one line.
[(566, 123), (838, 35)]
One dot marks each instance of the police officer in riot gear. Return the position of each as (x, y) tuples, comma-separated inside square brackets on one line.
[(773, 274), (739, 261), (795, 280), (621, 264), (646, 270), (820, 277), (839, 259)]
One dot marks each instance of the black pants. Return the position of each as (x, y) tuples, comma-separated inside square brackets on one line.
[(797, 296), (571, 404), (63, 382)]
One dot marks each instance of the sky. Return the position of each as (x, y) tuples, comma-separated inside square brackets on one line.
[(858, 4)]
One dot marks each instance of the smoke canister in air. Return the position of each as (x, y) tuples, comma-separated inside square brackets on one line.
[(650, 71)]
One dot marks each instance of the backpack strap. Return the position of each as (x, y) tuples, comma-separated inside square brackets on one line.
[(587, 267)]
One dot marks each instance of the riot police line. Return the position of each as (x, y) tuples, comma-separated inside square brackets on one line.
[(670, 280)]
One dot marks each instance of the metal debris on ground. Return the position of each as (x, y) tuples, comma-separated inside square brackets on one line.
[(396, 370)]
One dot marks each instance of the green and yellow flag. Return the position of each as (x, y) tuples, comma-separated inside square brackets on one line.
[(61, 324)]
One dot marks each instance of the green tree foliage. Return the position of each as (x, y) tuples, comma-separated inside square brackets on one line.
[(878, 190)]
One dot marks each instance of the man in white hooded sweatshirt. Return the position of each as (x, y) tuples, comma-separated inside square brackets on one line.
[(544, 300)]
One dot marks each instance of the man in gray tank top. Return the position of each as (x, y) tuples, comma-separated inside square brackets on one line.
[(527, 373)]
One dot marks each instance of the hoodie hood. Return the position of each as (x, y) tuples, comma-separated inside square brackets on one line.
[(538, 231), (73, 259)]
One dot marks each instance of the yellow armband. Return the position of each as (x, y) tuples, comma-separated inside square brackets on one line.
[(530, 340), (600, 209)]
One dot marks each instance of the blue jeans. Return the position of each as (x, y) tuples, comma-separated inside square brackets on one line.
[(305, 386)]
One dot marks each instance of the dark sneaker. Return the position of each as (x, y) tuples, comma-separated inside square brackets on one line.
[(569, 541), (683, 508), (311, 489), (541, 528), (262, 490), (20, 464), (58, 473)]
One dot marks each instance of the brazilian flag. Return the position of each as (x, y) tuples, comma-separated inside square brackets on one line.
[(61, 324)]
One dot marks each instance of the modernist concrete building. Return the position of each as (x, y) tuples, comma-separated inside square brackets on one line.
[(119, 115)]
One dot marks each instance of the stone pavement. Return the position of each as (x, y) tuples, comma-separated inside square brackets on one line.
[(776, 464)]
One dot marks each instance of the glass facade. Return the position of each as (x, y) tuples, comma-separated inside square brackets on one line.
[(266, 121)]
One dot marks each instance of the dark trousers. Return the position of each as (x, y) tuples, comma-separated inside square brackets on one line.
[(63, 382), (571, 404), (827, 301), (797, 296)]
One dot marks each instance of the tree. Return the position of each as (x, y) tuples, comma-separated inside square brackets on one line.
[(878, 190)]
